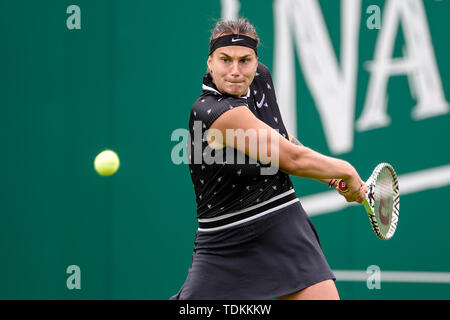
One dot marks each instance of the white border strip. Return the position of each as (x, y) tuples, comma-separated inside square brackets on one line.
[(205, 87), (247, 209), (331, 201), (394, 276), (250, 218)]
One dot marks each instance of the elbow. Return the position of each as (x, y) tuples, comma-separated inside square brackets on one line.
[(294, 162)]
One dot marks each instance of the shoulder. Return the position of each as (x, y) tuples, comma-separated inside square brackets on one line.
[(208, 107), (263, 77), (208, 101), (262, 69), (263, 72)]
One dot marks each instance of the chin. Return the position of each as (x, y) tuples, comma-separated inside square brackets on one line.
[(237, 94), (237, 91)]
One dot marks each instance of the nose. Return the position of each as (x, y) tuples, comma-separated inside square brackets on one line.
[(235, 72)]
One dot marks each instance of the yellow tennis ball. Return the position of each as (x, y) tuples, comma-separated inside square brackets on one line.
[(106, 163)]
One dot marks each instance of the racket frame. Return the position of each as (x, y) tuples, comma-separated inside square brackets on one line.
[(369, 202)]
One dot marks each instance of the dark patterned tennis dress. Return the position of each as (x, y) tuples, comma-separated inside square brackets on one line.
[(254, 239)]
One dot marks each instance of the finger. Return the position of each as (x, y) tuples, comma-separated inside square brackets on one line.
[(362, 195), (347, 197), (332, 183), (357, 196), (365, 188), (354, 197)]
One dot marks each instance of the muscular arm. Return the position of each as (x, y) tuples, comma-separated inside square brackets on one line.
[(294, 140), (292, 159)]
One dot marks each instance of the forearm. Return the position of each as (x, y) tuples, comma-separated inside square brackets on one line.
[(311, 164)]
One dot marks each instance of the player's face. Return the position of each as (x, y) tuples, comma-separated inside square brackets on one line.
[(233, 69)]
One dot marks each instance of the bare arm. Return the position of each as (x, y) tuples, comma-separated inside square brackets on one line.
[(329, 182), (296, 160)]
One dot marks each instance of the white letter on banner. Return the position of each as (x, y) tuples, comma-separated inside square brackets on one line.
[(230, 9), (333, 87), (418, 63)]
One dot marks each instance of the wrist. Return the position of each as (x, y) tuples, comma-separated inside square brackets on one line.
[(349, 171)]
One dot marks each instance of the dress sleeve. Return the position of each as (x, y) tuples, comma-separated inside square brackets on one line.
[(208, 108)]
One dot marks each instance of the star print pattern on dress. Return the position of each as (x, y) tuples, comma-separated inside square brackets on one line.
[(231, 186)]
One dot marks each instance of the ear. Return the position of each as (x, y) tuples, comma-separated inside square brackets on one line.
[(209, 62)]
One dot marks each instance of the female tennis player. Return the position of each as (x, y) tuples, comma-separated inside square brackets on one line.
[(254, 239)]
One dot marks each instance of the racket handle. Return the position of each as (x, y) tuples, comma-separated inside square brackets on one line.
[(342, 186)]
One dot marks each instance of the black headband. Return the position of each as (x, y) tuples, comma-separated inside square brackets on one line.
[(233, 40)]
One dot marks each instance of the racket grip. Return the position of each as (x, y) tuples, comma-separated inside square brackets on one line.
[(342, 186)]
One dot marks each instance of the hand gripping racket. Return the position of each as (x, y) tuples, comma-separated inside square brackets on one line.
[(382, 202)]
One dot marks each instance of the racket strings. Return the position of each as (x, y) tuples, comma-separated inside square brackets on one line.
[(383, 206), (384, 196)]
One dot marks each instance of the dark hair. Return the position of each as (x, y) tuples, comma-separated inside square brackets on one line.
[(240, 26)]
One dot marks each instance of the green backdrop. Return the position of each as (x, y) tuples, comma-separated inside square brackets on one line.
[(125, 81)]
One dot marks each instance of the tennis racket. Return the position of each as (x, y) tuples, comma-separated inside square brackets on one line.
[(382, 202)]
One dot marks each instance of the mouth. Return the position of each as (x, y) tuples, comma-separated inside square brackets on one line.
[(235, 87), (235, 82)]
